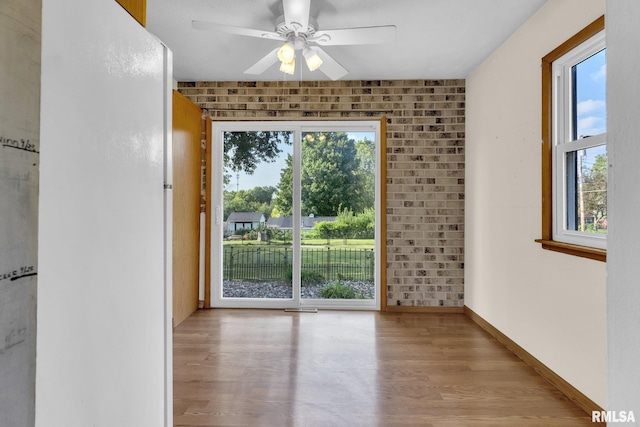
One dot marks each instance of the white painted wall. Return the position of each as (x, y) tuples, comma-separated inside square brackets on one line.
[(101, 303), (551, 304), (623, 265)]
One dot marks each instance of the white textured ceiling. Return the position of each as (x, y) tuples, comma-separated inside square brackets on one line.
[(435, 38)]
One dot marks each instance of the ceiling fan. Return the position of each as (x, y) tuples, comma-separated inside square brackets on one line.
[(300, 34)]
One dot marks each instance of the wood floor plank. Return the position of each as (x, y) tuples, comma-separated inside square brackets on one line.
[(332, 368)]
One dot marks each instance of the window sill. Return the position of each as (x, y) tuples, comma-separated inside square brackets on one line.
[(576, 250)]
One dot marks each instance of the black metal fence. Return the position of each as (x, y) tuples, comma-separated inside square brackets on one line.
[(274, 264)]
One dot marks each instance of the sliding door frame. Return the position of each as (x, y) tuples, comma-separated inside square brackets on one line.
[(215, 218)]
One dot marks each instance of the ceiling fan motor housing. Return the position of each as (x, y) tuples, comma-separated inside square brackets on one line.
[(294, 33)]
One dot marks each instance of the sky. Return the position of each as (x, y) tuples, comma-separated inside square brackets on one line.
[(268, 174), (591, 93)]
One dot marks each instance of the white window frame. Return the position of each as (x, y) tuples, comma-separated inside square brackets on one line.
[(563, 143)]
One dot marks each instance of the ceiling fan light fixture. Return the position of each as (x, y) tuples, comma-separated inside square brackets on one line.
[(288, 67), (286, 53), (312, 59)]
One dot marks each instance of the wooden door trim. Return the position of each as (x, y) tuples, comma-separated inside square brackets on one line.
[(208, 215), (137, 9), (383, 213), (187, 166)]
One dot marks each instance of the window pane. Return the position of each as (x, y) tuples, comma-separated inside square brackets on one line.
[(587, 190), (590, 109), (338, 215), (257, 249)]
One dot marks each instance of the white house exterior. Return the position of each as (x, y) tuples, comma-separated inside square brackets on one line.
[(244, 220)]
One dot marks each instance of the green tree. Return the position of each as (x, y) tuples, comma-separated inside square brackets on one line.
[(324, 230), (366, 152), (284, 191), (365, 224), (331, 177), (243, 151), (257, 199), (595, 188)]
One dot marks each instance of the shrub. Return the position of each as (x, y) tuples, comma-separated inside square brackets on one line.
[(310, 277), (338, 290), (283, 236), (347, 226), (307, 277)]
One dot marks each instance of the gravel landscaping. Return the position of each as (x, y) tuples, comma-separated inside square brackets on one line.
[(239, 289)]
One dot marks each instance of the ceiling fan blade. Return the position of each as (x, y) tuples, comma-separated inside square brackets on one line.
[(296, 13), (350, 36), (262, 65), (212, 26), (330, 67)]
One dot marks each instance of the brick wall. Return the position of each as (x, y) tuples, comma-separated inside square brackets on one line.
[(425, 165)]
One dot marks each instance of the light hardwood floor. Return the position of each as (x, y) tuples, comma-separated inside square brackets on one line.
[(272, 368)]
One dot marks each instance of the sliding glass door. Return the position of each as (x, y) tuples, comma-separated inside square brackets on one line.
[(295, 215)]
